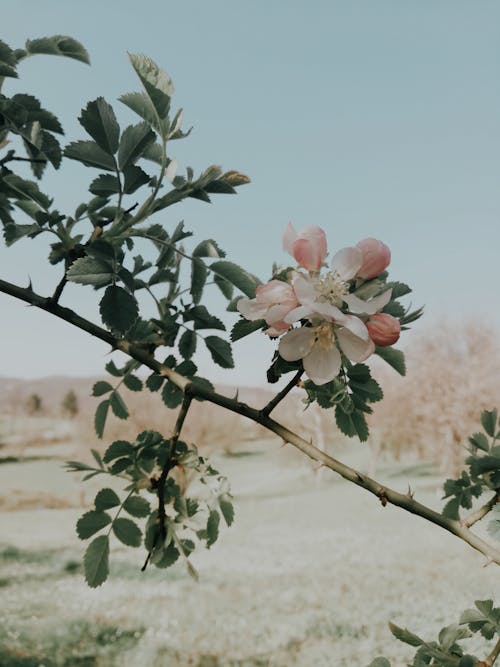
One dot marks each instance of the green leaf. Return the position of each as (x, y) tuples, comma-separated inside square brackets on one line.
[(244, 327), (199, 274), (352, 424), (58, 45), (237, 276), (104, 185), (227, 509), (171, 395), (99, 120), (405, 635), (480, 441), (154, 382), (143, 107), (134, 143), (112, 369), (89, 154), (118, 308), (132, 382), (96, 561), (100, 417), (157, 83), (117, 449), (135, 177), (118, 406), (208, 248), (489, 420), (91, 522), (169, 555), (187, 344), (23, 189), (224, 285), (101, 387), (137, 506), (90, 271), (220, 350), (127, 532), (380, 662), (106, 499), (212, 527), (203, 319), (393, 357)]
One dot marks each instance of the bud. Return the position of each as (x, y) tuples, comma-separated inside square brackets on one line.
[(384, 329), (308, 247), (376, 258)]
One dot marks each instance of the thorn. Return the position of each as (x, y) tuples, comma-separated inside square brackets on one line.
[(285, 442), (236, 396), (488, 562), (410, 493), (382, 494), (360, 477)]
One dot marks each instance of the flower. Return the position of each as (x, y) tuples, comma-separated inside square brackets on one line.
[(308, 247), (384, 329), (320, 346), (376, 258), (273, 301)]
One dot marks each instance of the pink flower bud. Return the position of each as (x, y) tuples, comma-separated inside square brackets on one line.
[(308, 247), (376, 258), (273, 301), (384, 329)]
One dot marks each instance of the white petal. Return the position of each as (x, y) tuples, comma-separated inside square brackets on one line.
[(347, 262), (171, 170), (251, 309), (329, 312), (298, 314), (357, 305), (304, 289), (356, 326), (355, 349), (322, 365), (289, 236), (296, 344)]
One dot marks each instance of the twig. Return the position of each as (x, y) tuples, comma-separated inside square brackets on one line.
[(267, 409), (481, 512), (11, 157), (142, 355), (490, 660)]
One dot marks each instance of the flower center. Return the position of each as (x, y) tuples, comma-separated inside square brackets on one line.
[(332, 288), (324, 336)]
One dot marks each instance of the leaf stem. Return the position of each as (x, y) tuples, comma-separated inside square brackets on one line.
[(267, 409), (481, 512)]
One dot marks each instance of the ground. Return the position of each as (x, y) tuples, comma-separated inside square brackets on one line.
[(308, 576)]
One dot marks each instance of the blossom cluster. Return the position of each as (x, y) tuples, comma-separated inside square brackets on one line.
[(334, 315)]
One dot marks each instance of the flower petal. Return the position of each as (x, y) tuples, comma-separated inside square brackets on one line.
[(370, 307), (251, 309), (296, 344), (347, 262), (289, 237), (355, 349), (322, 365), (298, 314)]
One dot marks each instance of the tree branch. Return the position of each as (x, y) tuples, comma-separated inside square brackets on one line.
[(267, 409), (141, 354), (491, 659), (481, 512)]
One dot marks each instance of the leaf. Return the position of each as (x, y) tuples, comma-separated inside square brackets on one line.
[(99, 120), (227, 509), (224, 285), (135, 177), (23, 189), (137, 506), (101, 387), (220, 350), (157, 83), (90, 271), (117, 449), (154, 382), (106, 499), (480, 441), (187, 344), (237, 276), (171, 395), (380, 662), (352, 424), (489, 420), (212, 527), (101, 414), (132, 382), (405, 635), (96, 561), (203, 319), (127, 532), (243, 328), (393, 357), (118, 406), (135, 141), (199, 274), (143, 107), (113, 370), (104, 185), (91, 522), (89, 154), (170, 555), (118, 308), (58, 45), (208, 248)]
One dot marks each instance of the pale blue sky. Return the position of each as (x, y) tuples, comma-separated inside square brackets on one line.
[(369, 118)]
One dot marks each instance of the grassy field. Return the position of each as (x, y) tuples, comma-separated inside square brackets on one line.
[(309, 575)]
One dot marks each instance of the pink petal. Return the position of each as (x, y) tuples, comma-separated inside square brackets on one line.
[(347, 262), (356, 326), (322, 365), (355, 349), (298, 314), (289, 237), (296, 344), (307, 254), (251, 309)]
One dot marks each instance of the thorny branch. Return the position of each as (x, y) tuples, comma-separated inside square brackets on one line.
[(405, 501)]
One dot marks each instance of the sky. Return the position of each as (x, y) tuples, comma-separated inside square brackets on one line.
[(370, 118)]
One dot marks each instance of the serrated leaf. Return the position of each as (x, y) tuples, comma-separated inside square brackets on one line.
[(89, 154), (140, 104), (157, 83), (480, 441), (127, 532), (91, 523), (244, 281), (58, 45), (104, 185), (352, 424), (203, 319), (135, 177), (90, 271), (393, 357), (117, 449), (24, 189), (199, 274), (167, 556), (380, 662), (134, 143), (224, 285), (101, 387), (118, 405), (106, 499), (171, 395), (154, 382), (489, 420), (243, 328), (118, 308), (120, 465), (405, 635), (101, 414), (187, 344), (132, 382), (220, 351), (208, 248), (137, 506), (99, 120), (112, 369), (212, 527), (96, 561), (227, 509)]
